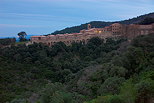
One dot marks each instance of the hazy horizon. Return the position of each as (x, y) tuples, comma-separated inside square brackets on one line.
[(40, 17)]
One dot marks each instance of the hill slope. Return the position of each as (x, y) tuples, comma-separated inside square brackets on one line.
[(115, 71), (101, 24)]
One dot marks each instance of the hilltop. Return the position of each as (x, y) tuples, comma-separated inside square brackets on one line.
[(101, 24)]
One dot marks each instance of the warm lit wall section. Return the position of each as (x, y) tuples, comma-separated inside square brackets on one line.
[(113, 30)]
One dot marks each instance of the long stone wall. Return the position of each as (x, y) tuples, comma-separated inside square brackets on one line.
[(113, 30)]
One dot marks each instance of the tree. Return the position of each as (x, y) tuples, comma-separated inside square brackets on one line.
[(7, 41), (147, 21), (19, 101), (22, 36), (128, 91), (111, 86), (56, 93)]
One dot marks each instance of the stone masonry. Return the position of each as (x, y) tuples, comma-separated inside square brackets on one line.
[(114, 30)]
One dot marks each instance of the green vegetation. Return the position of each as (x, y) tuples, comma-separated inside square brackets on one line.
[(22, 36), (115, 71), (22, 42), (7, 41), (133, 90), (147, 21)]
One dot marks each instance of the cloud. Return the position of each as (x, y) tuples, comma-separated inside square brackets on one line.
[(17, 26), (67, 0), (78, 0), (40, 17)]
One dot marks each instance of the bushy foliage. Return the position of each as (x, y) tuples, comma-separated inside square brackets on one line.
[(19, 101), (147, 21), (128, 92), (107, 99), (111, 86), (7, 41), (22, 36), (55, 93), (85, 71), (138, 89)]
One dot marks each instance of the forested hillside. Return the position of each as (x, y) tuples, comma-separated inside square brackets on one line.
[(115, 71), (7, 41), (101, 24)]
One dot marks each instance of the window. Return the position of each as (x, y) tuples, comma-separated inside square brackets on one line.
[(39, 38)]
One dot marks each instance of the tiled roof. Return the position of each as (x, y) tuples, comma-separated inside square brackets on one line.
[(38, 36)]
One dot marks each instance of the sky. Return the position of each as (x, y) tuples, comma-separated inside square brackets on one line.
[(40, 17)]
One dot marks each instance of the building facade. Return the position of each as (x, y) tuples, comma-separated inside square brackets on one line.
[(114, 30)]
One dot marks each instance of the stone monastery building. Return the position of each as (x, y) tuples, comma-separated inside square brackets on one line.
[(114, 30)]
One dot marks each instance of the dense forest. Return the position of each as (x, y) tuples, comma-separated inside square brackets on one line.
[(111, 71), (101, 24), (7, 41)]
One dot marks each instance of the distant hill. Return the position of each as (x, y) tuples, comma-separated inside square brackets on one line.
[(101, 24)]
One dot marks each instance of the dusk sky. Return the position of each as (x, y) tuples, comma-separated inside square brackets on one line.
[(46, 16)]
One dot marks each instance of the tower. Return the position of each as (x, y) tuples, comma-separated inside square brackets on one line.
[(89, 26)]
